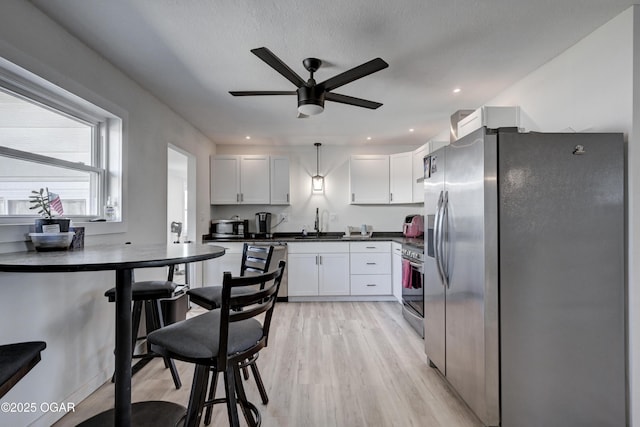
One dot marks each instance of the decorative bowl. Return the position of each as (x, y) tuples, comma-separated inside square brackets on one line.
[(51, 241)]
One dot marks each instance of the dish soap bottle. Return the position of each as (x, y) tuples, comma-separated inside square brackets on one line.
[(109, 210)]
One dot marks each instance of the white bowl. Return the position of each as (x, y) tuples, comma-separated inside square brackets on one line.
[(51, 241)]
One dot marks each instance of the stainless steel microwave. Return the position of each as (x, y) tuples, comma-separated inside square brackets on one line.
[(229, 228)]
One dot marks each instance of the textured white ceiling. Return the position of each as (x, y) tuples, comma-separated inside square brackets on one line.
[(191, 53)]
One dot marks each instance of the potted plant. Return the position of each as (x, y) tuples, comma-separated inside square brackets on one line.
[(47, 203)]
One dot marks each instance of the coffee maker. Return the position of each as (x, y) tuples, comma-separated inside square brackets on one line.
[(263, 224)]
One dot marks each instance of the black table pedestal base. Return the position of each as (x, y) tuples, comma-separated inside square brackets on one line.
[(152, 413)]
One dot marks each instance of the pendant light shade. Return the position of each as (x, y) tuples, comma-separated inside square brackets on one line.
[(317, 181)]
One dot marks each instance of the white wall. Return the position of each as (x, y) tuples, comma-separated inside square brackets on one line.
[(334, 166), (592, 87), (69, 311)]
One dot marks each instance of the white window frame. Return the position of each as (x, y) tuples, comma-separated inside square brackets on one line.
[(109, 144)]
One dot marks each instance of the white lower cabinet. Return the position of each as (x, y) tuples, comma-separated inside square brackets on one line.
[(213, 269), (370, 268), (396, 270), (303, 274), (318, 269)]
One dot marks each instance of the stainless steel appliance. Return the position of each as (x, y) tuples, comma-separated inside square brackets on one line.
[(412, 285), (229, 228), (524, 276), (263, 224)]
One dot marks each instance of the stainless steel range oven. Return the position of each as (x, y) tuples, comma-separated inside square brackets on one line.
[(413, 285)]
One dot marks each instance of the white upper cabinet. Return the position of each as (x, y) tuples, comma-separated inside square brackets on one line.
[(369, 179), (401, 178), (280, 183), (418, 173), (240, 179), (254, 180), (225, 180)]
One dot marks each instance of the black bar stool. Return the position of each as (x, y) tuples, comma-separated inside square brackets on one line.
[(149, 293), (16, 360), (223, 340)]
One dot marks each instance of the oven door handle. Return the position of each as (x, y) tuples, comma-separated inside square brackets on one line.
[(437, 237), (416, 265)]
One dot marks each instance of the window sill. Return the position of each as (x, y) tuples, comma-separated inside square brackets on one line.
[(17, 232)]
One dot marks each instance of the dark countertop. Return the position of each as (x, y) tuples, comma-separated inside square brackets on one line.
[(323, 237)]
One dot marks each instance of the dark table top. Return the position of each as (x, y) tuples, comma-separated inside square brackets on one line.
[(108, 257)]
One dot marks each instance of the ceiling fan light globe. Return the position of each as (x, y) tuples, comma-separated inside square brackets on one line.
[(310, 109)]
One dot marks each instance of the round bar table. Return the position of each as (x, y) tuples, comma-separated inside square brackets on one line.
[(123, 259)]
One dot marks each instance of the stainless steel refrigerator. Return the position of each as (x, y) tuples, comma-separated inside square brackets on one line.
[(524, 276)]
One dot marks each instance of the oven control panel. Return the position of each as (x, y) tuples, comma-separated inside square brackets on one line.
[(413, 253)]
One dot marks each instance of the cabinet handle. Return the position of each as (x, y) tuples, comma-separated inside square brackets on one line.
[(237, 197), (353, 197), (371, 247), (391, 197), (371, 263), (320, 259), (317, 260), (287, 197), (371, 284), (242, 197)]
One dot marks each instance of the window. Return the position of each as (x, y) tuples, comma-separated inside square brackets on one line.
[(51, 138)]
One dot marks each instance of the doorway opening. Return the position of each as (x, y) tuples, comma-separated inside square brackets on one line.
[(181, 202)]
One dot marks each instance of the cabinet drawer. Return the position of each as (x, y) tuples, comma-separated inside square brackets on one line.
[(370, 246), (367, 284), (374, 263)]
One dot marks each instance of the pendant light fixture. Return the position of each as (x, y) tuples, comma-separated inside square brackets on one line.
[(317, 181)]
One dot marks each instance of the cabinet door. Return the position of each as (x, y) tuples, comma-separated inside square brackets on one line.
[(334, 274), (303, 274), (369, 179), (225, 180), (254, 180), (280, 180), (418, 173), (396, 271), (401, 177)]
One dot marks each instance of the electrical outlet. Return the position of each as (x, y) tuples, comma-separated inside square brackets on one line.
[(284, 217)]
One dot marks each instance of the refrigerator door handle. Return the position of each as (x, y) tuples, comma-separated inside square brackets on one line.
[(444, 239), (437, 234)]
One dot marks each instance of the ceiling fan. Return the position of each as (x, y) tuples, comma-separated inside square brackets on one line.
[(311, 95)]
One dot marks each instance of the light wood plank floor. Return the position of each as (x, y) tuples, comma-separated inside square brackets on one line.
[(328, 364)]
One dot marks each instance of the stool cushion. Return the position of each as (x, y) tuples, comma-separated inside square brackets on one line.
[(196, 339), (210, 297), (14, 357), (149, 290)]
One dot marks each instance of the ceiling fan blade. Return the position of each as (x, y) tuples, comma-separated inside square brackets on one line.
[(344, 99), (262, 92), (354, 74), (276, 63)]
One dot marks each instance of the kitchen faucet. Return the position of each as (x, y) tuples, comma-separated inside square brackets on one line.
[(316, 224)]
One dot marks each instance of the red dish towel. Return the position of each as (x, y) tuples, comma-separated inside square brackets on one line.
[(406, 274)]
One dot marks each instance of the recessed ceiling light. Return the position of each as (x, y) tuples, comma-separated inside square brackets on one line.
[(411, 130), (456, 90), (247, 137), (368, 138)]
